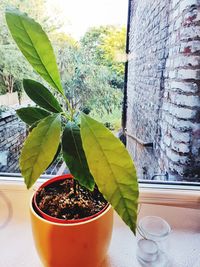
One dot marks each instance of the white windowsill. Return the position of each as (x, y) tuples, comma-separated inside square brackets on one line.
[(180, 207)]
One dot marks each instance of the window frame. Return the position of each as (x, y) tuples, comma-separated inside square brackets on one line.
[(175, 194)]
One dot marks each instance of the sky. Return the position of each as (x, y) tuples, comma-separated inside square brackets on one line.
[(79, 15)]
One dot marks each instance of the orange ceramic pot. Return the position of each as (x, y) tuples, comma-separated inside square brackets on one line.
[(81, 244)]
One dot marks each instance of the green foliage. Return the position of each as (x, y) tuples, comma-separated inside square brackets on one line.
[(32, 115), (92, 43), (109, 125), (26, 33), (91, 151), (105, 43), (112, 167), (57, 155), (3, 89), (113, 118), (113, 47), (74, 155), (19, 89), (41, 96), (61, 40), (40, 148), (86, 83), (13, 67), (106, 46), (86, 110)]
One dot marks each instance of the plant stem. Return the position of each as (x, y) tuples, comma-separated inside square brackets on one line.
[(66, 115), (74, 186), (70, 107), (78, 187)]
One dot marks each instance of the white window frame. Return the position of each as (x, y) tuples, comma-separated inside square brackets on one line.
[(186, 195)]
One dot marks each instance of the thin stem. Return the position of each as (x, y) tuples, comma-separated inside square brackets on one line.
[(78, 187), (74, 185), (66, 115), (70, 108)]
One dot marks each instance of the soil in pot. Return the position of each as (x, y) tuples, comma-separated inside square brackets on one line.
[(66, 200)]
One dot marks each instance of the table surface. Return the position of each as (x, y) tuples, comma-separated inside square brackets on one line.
[(17, 248)]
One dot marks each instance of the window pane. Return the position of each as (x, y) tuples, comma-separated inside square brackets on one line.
[(89, 39), (159, 95), (163, 126)]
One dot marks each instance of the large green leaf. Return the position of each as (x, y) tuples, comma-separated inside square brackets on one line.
[(40, 148), (74, 155), (41, 95), (56, 155), (31, 115), (35, 46), (112, 169)]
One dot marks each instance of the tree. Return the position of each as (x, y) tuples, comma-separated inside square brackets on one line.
[(34, 7), (86, 83), (13, 66), (106, 46), (92, 43), (114, 52)]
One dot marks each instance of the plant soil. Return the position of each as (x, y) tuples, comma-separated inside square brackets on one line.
[(67, 200)]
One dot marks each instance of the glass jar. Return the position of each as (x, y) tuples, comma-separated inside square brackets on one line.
[(149, 255), (156, 229), (153, 246)]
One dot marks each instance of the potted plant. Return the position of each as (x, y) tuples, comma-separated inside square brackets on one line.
[(101, 169)]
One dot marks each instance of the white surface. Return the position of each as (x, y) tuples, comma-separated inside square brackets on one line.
[(17, 248)]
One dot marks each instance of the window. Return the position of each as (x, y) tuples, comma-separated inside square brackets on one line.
[(161, 97), (89, 45), (162, 121)]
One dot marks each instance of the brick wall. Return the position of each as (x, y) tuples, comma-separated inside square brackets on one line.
[(163, 94), (180, 123), (12, 135)]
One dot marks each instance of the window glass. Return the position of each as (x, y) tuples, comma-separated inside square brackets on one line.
[(162, 117), (89, 39), (148, 77)]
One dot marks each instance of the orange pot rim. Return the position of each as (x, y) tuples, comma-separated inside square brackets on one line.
[(54, 221)]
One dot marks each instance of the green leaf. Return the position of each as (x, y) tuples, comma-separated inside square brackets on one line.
[(35, 46), (32, 115), (112, 169), (74, 155), (40, 148), (56, 155), (41, 96)]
